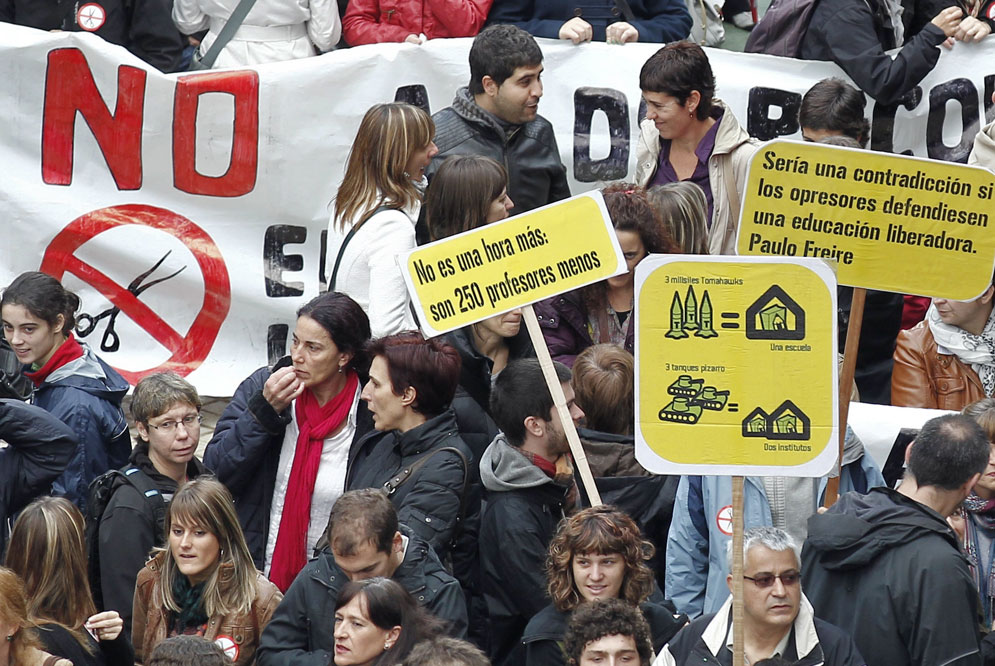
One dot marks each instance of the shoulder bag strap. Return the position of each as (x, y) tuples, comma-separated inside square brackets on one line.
[(233, 23), (623, 6), (390, 487), (348, 237)]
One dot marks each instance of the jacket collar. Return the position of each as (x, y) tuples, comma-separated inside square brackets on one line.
[(466, 107), (806, 638)]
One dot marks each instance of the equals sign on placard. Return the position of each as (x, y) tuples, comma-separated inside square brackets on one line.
[(733, 406), (730, 315)]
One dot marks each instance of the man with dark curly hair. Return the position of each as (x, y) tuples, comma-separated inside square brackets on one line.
[(607, 632)]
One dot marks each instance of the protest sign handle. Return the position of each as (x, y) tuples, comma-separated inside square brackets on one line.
[(559, 401), (846, 385), (738, 647)]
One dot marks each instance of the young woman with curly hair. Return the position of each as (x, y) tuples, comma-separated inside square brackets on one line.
[(598, 553)]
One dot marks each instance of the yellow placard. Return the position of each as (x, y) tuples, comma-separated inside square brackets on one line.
[(892, 222), (464, 279), (736, 366)]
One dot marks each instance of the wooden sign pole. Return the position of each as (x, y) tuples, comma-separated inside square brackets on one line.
[(846, 385), (560, 402), (737, 572)]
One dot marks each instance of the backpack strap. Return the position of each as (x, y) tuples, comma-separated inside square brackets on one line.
[(348, 237), (144, 485)]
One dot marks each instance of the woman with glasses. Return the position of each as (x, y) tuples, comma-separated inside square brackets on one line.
[(203, 582), (598, 553), (166, 410), (71, 382)]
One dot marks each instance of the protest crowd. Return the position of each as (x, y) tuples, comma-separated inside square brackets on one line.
[(379, 497)]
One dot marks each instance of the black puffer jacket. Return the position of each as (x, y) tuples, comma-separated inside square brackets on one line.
[(431, 501), (245, 452), (144, 27), (536, 175), (128, 532), (39, 446), (300, 631), (888, 571)]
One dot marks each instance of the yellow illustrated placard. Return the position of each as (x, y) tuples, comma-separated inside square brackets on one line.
[(892, 222), (464, 279), (736, 366)]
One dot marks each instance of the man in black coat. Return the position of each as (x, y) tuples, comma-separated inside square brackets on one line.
[(886, 567), (38, 449), (364, 541), (497, 116)]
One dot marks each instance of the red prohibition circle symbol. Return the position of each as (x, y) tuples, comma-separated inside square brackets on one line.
[(723, 520), (188, 351), (91, 17)]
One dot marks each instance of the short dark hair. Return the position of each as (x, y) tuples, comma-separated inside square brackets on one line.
[(431, 367), (834, 105), (498, 51), (948, 451), (44, 297), (346, 323), (186, 650), (446, 651), (611, 617), (155, 394), (519, 392), (460, 194), (676, 70), (359, 517)]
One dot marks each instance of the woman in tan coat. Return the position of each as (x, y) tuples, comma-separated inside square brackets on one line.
[(204, 582)]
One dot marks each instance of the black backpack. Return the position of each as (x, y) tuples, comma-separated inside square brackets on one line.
[(781, 30), (99, 495)]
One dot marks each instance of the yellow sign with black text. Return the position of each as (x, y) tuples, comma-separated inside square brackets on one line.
[(736, 366), (892, 222), (484, 272)]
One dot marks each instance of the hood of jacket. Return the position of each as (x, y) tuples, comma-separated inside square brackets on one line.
[(503, 468), (859, 528), (466, 107), (89, 373)]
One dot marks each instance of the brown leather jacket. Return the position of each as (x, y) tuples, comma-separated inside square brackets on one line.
[(923, 377), (151, 620)]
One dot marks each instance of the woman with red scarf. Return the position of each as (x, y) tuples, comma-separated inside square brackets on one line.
[(71, 382), (283, 443)]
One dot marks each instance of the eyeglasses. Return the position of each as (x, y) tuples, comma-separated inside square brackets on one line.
[(170, 426), (788, 578)]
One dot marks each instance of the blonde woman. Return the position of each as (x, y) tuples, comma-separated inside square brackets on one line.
[(47, 550), (375, 211), (204, 582), (19, 644), (684, 211)]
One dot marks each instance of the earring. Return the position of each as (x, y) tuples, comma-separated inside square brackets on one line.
[(386, 646), (340, 369), (10, 638)]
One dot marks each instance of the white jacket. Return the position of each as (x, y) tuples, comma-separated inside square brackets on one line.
[(732, 152), (273, 30), (983, 153), (369, 272)]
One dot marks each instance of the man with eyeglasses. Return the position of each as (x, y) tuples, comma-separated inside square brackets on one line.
[(887, 567), (166, 410), (778, 621)]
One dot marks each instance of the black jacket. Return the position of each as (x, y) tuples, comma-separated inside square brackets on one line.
[(39, 448), (245, 452), (430, 501), (522, 507), (543, 636), (855, 35), (57, 640), (128, 532), (887, 570), (536, 176), (144, 27), (300, 631)]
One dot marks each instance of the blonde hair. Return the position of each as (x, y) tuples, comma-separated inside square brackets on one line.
[(684, 210), (231, 586), (14, 611), (388, 136), (48, 551)]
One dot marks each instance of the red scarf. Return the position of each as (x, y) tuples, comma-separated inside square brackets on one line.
[(314, 423), (70, 350)]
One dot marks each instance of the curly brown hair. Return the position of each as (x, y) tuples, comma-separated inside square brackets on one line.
[(603, 530)]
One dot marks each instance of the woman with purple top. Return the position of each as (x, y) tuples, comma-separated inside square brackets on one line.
[(689, 135)]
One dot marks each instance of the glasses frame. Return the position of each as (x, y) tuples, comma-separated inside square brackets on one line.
[(759, 580), (170, 426)]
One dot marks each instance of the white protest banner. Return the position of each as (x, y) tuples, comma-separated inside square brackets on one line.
[(223, 179)]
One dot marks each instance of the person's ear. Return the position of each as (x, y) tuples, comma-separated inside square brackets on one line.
[(908, 451), (987, 296), (393, 634), (535, 426), (965, 489), (489, 85), (143, 431), (60, 324), (408, 396), (694, 99), (345, 359), (729, 582), (397, 543)]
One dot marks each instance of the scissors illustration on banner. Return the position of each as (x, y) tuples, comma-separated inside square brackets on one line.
[(110, 342)]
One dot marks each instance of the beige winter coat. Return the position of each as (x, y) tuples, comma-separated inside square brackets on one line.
[(730, 156)]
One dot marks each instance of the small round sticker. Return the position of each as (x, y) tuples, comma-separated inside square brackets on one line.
[(91, 17), (723, 520), (991, 12), (228, 646)]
